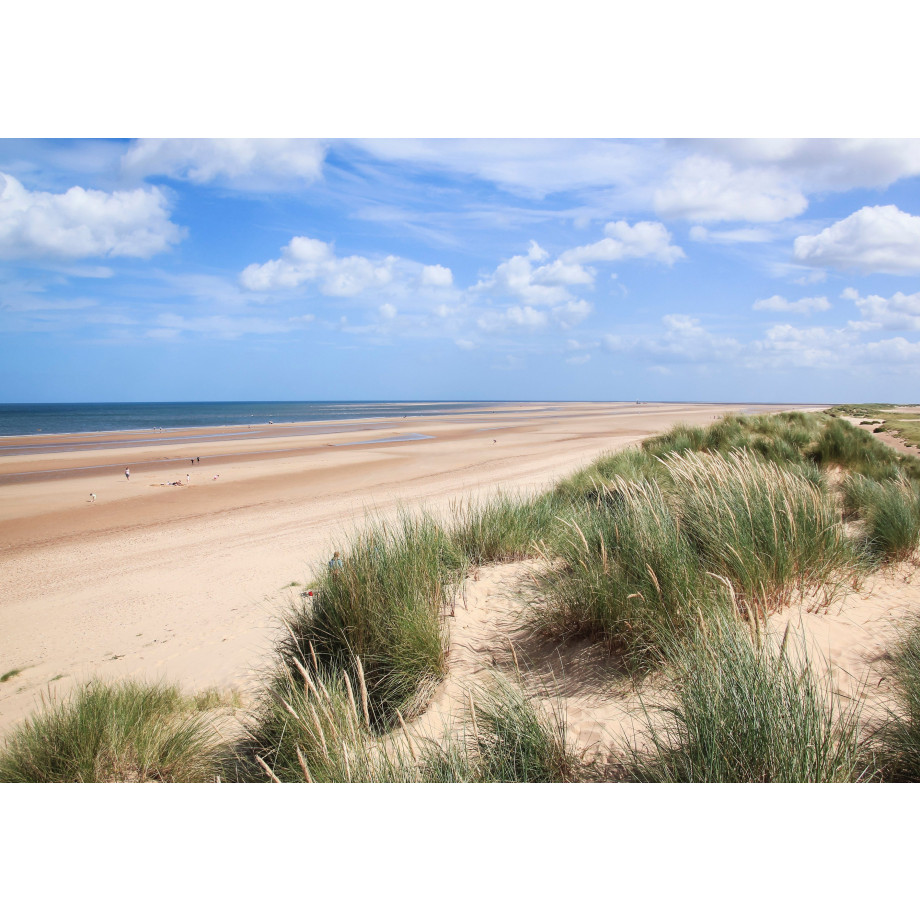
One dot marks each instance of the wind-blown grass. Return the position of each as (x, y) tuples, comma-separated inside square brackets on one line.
[(746, 713), (129, 732)]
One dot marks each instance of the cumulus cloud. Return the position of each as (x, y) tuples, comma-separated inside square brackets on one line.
[(578, 359), (387, 311), (643, 240), (83, 223), (873, 239), (437, 276), (778, 304), (540, 285), (900, 311), (249, 164), (707, 190), (305, 259)]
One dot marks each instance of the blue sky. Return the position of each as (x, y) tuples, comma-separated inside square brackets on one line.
[(557, 269)]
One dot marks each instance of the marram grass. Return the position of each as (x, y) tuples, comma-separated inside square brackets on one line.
[(743, 711), (126, 732)]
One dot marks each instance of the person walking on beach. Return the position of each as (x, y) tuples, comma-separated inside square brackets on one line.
[(188, 479), (92, 497), (127, 473)]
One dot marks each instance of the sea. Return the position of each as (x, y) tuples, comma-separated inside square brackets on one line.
[(73, 418)]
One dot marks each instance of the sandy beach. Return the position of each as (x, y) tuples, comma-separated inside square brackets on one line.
[(185, 582)]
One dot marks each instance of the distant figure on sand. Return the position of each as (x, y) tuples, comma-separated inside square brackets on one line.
[(92, 496), (336, 564), (188, 479), (127, 473), (197, 459)]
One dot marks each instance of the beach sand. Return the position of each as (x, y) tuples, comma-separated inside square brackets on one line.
[(186, 583)]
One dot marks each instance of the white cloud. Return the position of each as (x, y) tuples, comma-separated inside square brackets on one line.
[(541, 285), (437, 276), (388, 311), (465, 344), (578, 359), (572, 313), (246, 164), (873, 239), (643, 240), (704, 189), (825, 164), (519, 317), (900, 311), (82, 223), (530, 167), (305, 259), (778, 304)]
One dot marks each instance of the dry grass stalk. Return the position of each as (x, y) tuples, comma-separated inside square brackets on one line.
[(362, 686), (267, 769), (303, 764)]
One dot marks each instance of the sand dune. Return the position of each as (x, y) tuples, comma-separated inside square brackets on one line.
[(185, 582)]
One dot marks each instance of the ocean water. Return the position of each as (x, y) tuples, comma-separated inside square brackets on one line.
[(66, 418)]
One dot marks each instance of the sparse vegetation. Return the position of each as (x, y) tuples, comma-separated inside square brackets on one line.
[(10, 675)]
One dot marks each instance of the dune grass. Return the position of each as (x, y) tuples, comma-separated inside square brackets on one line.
[(897, 742), (590, 484), (320, 731), (503, 528), (767, 528), (129, 732), (384, 607), (744, 712), (625, 572), (515, 740), (889, 512)]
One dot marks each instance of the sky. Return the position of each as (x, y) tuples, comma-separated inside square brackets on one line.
[(736, 270)]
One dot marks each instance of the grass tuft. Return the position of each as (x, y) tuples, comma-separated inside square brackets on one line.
[(743, 712), (129, 732)]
